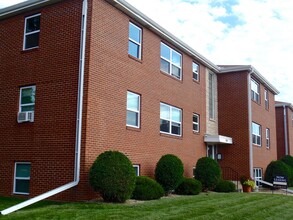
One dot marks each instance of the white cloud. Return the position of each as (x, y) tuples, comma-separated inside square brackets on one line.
[(262, 39), (6, 3)]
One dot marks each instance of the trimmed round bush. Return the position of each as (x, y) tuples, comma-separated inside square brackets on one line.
[(113, 176), (288, 159), (147, 189), (208, 172), (225, 186), (278, 167), (169, 172), (189, 186)]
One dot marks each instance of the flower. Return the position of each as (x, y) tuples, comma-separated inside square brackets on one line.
[(249, 182)]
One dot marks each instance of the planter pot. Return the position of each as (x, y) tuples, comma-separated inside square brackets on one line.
[(246, 188)]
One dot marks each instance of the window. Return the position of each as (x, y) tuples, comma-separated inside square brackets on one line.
[(136, 169), (134, 43), (22, 178), (195, 71), (254, 91), (268, 138), (31, 32), (195, 122), (211, 96), (170, 61), (212, 151), (266, 99), (170, 122), (27, 99), (257, 174), (133, 110), (256, 134)]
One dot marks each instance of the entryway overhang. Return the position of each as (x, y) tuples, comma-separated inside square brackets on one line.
[(217, 139)]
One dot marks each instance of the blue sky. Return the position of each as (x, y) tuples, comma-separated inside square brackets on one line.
[(248, 32)]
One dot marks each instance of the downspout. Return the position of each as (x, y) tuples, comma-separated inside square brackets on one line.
[(78, 126), (249, 125), (285, 131)]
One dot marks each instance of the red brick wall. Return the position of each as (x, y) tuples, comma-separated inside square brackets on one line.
[(262, 156), (280, 132), (233, 120), (49, 142), (290, 131)]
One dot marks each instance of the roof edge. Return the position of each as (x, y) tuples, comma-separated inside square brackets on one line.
[(282, 104)]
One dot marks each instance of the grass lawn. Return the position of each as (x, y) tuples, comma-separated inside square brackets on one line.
[(204, 206)]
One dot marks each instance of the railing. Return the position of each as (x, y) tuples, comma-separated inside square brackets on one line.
[(271, 185), (229, 174)]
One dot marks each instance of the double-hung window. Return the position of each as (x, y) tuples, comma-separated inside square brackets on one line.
[(134, 43), (195, 71), (256, 134), (267, 137), (31, 32), (27, 99), (22, 178), (133, 110), (195, 122), (254, 91), (170, 119), (266, 99), (171, 61), (136, 168)]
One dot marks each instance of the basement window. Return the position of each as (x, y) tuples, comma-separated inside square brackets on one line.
[(22, 178)]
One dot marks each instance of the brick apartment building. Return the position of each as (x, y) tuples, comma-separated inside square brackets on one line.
[(81, 77), (284, 123), (247, 113)]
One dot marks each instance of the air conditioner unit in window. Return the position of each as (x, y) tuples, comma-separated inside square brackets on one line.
[(25, 117)]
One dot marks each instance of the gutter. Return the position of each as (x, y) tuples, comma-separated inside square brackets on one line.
[(78, 125), (250, 124), (285, 131)]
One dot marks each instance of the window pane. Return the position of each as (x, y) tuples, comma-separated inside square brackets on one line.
[(134, 33), (33, 24), (258, 140), (32, 40), (175, 128), (164, 112), (176, 115), (136, 170), (164, 126), (28, 108), (23, 170), (132, 101), (133, 49), (176, 58), (22, 186), (165, 66), (194, 68), (132, 118), (195, 118), (165, 51), (195, 76), (176, 71), (28, 95), (195, 127)]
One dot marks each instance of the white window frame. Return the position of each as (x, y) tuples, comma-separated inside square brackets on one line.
[(213, 149), (137, 166), (23, 105), (195, 73), (256, 134), (268, 139), (30, 33), (266, 99), (171, 63), (255, 91), (170, 120), (211, 96), (133, 110), (257, 174), (196, 123), (139, 44), (19, 178)]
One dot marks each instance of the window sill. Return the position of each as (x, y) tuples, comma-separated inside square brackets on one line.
[(30, 50), (255, 145), (196, 132), (258, 103), (196, 81), (170, 76), (132, 128), (134, 58), (171, 136)]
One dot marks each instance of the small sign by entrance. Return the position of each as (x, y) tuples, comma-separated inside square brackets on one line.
[(280, 181)]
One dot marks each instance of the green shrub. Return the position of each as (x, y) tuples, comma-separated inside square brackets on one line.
[(169, 172), (147, 189), (278, 168), (189, 186), (225, 186), (113, 176), (288, 159), (208, 172)]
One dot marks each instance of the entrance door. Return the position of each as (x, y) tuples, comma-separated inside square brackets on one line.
[(212, 151)]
